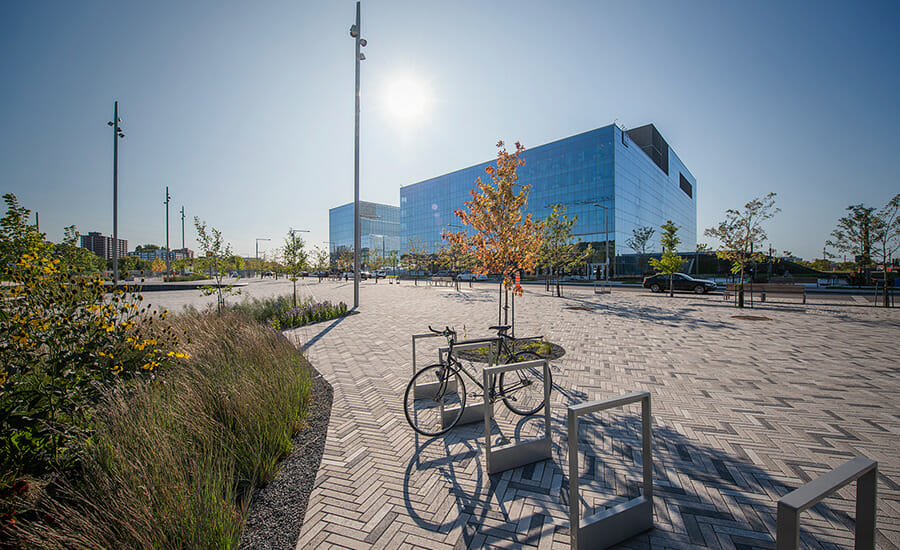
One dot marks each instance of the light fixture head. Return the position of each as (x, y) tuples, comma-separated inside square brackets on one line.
[(362, 42), (109, 123), (362, 56), (121, 134), (354, 31)]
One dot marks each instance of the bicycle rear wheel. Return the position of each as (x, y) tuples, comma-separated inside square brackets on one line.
[(523, 390), (434, 399)]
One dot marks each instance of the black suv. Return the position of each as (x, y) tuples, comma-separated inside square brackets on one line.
[(680, 281)]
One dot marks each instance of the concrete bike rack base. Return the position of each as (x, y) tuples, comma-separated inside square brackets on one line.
[(621, 522), (860, 469), (510, 456)]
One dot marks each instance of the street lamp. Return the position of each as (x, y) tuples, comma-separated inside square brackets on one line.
[(606, 220), (117, 134), (168, 253), (355, 32), (257, 250)]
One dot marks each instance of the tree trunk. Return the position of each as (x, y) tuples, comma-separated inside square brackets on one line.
[(741, 290), (671, 286)]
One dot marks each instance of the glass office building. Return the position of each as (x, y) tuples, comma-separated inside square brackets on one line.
[(635, 177), (379, 229)]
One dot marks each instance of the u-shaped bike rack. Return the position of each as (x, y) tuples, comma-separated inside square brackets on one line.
[(510, 456), (621, 522)]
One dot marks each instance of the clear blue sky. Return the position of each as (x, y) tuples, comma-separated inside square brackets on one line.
[(245, 109)]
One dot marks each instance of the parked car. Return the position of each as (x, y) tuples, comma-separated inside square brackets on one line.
[(469, 276), (380, 274), (680, 281)]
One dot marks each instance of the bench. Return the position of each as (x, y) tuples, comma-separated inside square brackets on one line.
[(763, 289), (441, 281)]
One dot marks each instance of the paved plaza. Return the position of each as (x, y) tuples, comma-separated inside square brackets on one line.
[(744, 410)]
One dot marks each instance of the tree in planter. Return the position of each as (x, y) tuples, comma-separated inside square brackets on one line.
[(295, 259), (452, 258), (217, 258), (504, 240), (855, 235), (558, 253), (741, 236), (640, 238), (670, 262)]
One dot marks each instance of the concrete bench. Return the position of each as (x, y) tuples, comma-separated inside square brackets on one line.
[(795, 280), (764, 289)]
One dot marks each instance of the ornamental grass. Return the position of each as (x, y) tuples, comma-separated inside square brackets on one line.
[(171, 462)]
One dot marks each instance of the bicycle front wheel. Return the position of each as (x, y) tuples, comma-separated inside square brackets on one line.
[(434, 399), (523, 390)]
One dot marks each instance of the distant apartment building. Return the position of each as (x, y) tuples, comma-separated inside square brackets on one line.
[(379, 229), (103, 246)]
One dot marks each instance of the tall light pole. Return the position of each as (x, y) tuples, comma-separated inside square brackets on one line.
[(257, 250), (606, 219), (356, 33), (117, 134), (168, 253), (182, 231)]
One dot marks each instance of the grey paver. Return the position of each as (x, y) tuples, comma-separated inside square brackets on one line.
[(744, 412)]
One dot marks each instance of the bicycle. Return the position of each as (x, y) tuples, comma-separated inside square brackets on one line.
[(435, 397)]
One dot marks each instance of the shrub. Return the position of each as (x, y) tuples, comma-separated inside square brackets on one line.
[(67, 340), (279, 313), (173, 461)]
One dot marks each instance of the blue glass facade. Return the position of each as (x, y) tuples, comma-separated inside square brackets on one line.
[(379, 228), (640, 183)]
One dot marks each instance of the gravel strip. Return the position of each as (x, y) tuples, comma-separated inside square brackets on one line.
[(276, 510)]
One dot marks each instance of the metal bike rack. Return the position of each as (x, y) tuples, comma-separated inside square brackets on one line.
[(860, 469), (601, 288), (473, 412), (525, 452), (618, 523), (419, 337)]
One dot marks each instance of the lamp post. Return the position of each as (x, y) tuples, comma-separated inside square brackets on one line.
[(168, 253), (257, 250), (355, 32), (606, 220), (117, 134)]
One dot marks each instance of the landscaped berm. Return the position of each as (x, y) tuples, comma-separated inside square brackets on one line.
[(124, 427)]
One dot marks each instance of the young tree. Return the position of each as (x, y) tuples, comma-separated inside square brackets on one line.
[(75, 259), (887, 237), (559, 253), (295, 259), (741, 236), (505, 240), (345, 259), (320, 261), (854, 235), (158, 265), (217, 258), (415, 257), (670, 262), (640, 238)]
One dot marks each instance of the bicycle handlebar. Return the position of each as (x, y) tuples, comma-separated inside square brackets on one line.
[(446, 332)]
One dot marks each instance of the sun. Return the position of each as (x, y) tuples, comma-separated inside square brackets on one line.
[(406, 99)]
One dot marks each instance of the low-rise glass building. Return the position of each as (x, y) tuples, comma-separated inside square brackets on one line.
[(633, 175), (379, 229)]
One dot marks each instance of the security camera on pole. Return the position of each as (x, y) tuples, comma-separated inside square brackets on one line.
[(355, 32)]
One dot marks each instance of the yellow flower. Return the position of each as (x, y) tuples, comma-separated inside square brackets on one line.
[(2, 378), (179, 355)]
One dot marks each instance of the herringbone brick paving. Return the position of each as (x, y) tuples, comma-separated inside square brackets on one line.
[(744, 411)]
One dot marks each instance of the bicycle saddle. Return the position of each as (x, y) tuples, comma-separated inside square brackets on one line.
[(500, 328)]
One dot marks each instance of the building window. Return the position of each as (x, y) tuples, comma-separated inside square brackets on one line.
[(686, 186)]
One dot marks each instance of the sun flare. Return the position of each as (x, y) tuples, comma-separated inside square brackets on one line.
[(406, 99)]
